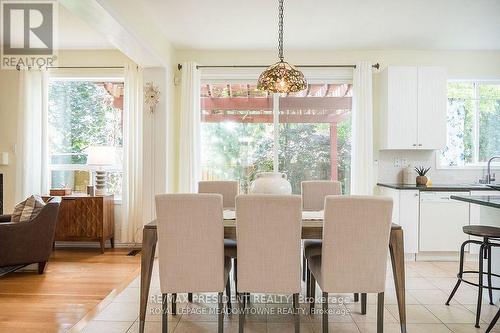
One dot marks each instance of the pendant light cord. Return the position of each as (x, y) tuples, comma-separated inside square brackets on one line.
[(280, 30)]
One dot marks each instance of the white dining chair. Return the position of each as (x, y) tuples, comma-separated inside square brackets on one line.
[(313, 199), (191, 247), (315, 191), (229, 189), (356, 233), (268, 229)]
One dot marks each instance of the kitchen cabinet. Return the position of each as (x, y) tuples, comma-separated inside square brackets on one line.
[(441, 222), (413, 107), (405, 213)]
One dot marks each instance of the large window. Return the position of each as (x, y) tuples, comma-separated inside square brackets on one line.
[(473, 123), (314, 133), (83, 113)]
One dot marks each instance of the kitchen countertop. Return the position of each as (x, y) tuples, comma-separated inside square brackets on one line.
[(438, 187), (484, 200)]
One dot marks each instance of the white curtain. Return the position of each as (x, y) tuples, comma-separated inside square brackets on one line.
[(189, 150), (32, 175), (362, 180), (132, 197)]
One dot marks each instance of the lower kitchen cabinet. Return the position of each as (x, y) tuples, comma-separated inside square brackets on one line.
[(441, 222), (405, 213)]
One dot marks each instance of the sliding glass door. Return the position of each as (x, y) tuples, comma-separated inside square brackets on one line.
[(314, 137)]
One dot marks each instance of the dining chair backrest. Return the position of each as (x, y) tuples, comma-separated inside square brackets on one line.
[(191, 242), (315, 191), (227, 188), (356, 233), (268, 230)]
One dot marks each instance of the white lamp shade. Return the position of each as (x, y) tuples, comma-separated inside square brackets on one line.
[(101, 156)]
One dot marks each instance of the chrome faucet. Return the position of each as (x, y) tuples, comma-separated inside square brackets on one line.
[(489, 177)]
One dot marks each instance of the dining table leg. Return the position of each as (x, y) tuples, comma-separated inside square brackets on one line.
[(396, 249), (149, 238)]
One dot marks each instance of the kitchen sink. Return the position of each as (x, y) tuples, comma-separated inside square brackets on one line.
[(494, 186), (475, 185)]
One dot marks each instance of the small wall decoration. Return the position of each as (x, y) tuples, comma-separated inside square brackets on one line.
[(151, 96)]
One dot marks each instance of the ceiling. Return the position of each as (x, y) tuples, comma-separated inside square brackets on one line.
[(330, 24), (74, 33)]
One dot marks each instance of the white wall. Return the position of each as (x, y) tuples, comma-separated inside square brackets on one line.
[(459, 64)]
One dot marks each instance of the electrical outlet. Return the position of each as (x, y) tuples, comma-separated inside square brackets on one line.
[(397, 162), (404, 162)]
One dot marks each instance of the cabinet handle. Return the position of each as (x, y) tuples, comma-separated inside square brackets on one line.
[(420, 145), (414, 145)]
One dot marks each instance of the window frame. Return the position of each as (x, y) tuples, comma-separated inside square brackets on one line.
[(475, 131), (112, 76)]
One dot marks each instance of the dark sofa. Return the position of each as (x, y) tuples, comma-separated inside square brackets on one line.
[(30, 242)]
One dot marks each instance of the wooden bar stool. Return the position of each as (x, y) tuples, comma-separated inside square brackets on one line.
[(488, 233)]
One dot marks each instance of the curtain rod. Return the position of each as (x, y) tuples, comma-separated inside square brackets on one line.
[(77, 67), (376, 66)]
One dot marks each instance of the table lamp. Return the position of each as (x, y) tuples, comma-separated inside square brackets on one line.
[(99, 158)]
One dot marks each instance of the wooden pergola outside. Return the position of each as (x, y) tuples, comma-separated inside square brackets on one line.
[(243, 103)]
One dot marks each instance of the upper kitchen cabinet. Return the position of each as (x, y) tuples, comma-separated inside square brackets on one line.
[(413, 107)]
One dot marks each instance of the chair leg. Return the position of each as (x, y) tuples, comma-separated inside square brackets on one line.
[(325, 312), (493, 322), (241, 312), (312, 289), (235, 273), (490, 290), (220, 312), (480, 291), (190, 297), (453, 292), (304, 267), (460, 272), (380, 313), (363, 303), (243, 300), (228, 294), (174, 304), (296, 312), (308, 282), (41, 267), (356, 297), (164, 313)]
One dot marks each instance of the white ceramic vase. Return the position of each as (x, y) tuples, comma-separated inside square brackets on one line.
[(271, 183)]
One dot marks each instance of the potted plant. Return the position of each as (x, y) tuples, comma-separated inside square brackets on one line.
[(421, 172)]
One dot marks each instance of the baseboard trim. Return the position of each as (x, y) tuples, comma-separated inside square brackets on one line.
[(443, 256), (95, 245)]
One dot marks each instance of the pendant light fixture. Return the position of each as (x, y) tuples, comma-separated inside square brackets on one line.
[(281, 77)]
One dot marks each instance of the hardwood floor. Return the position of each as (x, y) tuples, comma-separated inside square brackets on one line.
[(75, 284)]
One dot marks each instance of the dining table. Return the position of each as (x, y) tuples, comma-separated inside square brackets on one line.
[(312, 228)]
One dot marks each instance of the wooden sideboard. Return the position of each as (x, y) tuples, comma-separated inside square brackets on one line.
[(86, 218)]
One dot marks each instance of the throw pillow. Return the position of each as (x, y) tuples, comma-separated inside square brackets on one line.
[(28, 209)]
